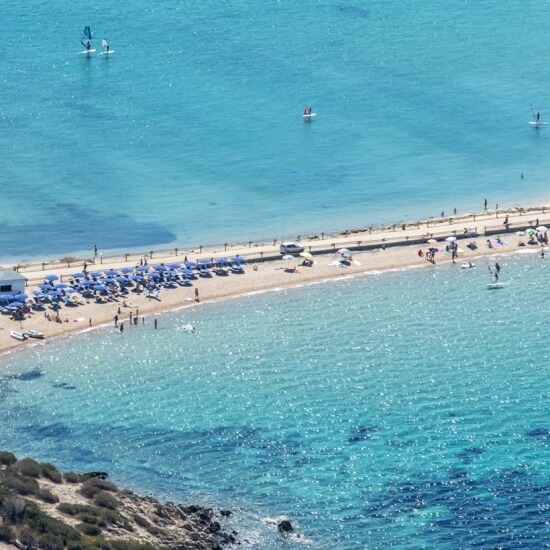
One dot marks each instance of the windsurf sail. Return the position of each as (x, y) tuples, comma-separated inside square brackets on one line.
[(536, 116), (87, 38)]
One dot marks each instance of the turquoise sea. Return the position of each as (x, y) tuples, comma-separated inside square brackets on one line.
[(191, 133), (405, 409)]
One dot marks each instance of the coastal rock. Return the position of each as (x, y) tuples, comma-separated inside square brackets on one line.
[(284, 526)]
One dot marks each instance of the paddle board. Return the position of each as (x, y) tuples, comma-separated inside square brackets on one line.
[(308, 116), (108, 52), (537, 124), (88, 51)]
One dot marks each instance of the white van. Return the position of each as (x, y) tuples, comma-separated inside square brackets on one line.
[(291, 247)]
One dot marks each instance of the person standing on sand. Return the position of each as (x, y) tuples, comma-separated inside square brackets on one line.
[(156, 324), (115, 319), (485, 204), (197, 295)]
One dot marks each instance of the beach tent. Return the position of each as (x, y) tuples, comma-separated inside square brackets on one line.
[(12, 282)]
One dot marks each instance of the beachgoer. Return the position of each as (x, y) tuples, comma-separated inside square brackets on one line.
[(485, 204), (542, 252), (497, 267), (90, 322), (121, 327), (105, 44), (95, 250), (522, 175), (420, 253), (115, 319), (255, 267), (88, 44), (156, 324), (197, 295), (305, 110), (538, 117)]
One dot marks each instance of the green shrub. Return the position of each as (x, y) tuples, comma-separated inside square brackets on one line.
[(47, 496), (89, 529), (29, 467), (27, 538), (6, 534), (42, 523), (50, 542), (13, 509), (72, 477), (50, 472), (141, 521), (105, 500), (89, 490), (21, 485), (69, 509), (101, 484), (7, 458)]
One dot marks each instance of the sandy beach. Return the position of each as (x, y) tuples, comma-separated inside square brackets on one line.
[(371, 249)]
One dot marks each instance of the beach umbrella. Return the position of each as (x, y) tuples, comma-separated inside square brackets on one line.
[(190, 265), (238, 259), (87, 283), (51, 277), (79, 275), (187, 271), (121, 279), (6, 297), (111, 272), (126, 269), (204, 261), (96, 274), (16, 305), (54, 293), (60, 285), (142, 268), (307, 255), (107, 281), (174, 265), (344, 251), (431, 241), (542, 228), (21, 297), (288, 257), (137, 277), (37, 293), (71, 291), (221, 261), (44, 286), (450, 239), (160, 267), (531, 231), (101, 288), (154, 275)]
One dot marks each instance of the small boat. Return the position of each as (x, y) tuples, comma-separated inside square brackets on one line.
[(467, 265), (18, 335), (308, 114), (34, 334)]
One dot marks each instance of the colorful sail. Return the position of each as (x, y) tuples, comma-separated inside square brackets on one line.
[(87, 37)]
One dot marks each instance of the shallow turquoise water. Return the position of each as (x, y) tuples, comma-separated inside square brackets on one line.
[(395, 410), (191, 132)]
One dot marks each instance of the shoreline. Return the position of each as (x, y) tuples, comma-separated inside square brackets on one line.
[(371, 254)]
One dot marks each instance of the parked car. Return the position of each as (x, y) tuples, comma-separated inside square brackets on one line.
[(291, 247)]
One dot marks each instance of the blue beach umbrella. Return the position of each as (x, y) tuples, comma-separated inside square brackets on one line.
[(60, 285), (122, 279), (238, 259), (79, 275), (111, 272), (16, 305), (21, 297), (126, 269), (204, 261), (71, 290), (190, 265), (54, 293), (51, 277), (87, 283), (6, 297), (137, 277), (160, 267), (142, 268), (38, 293), (222, 261), (174, 265), (187, 271), (45, 286), (101, 288), (107, 281), (96, 274), (154, 275)]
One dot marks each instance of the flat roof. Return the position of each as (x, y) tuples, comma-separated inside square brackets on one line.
[(11, 275)]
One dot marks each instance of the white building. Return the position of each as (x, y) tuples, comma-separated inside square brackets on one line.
[(12, 282)]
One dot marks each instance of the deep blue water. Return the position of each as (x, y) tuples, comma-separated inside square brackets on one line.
[(406, 409), (191, 133)]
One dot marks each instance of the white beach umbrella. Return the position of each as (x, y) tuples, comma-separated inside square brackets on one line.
[(450, 239), (431, 241), (542, 228), (288, 257)]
